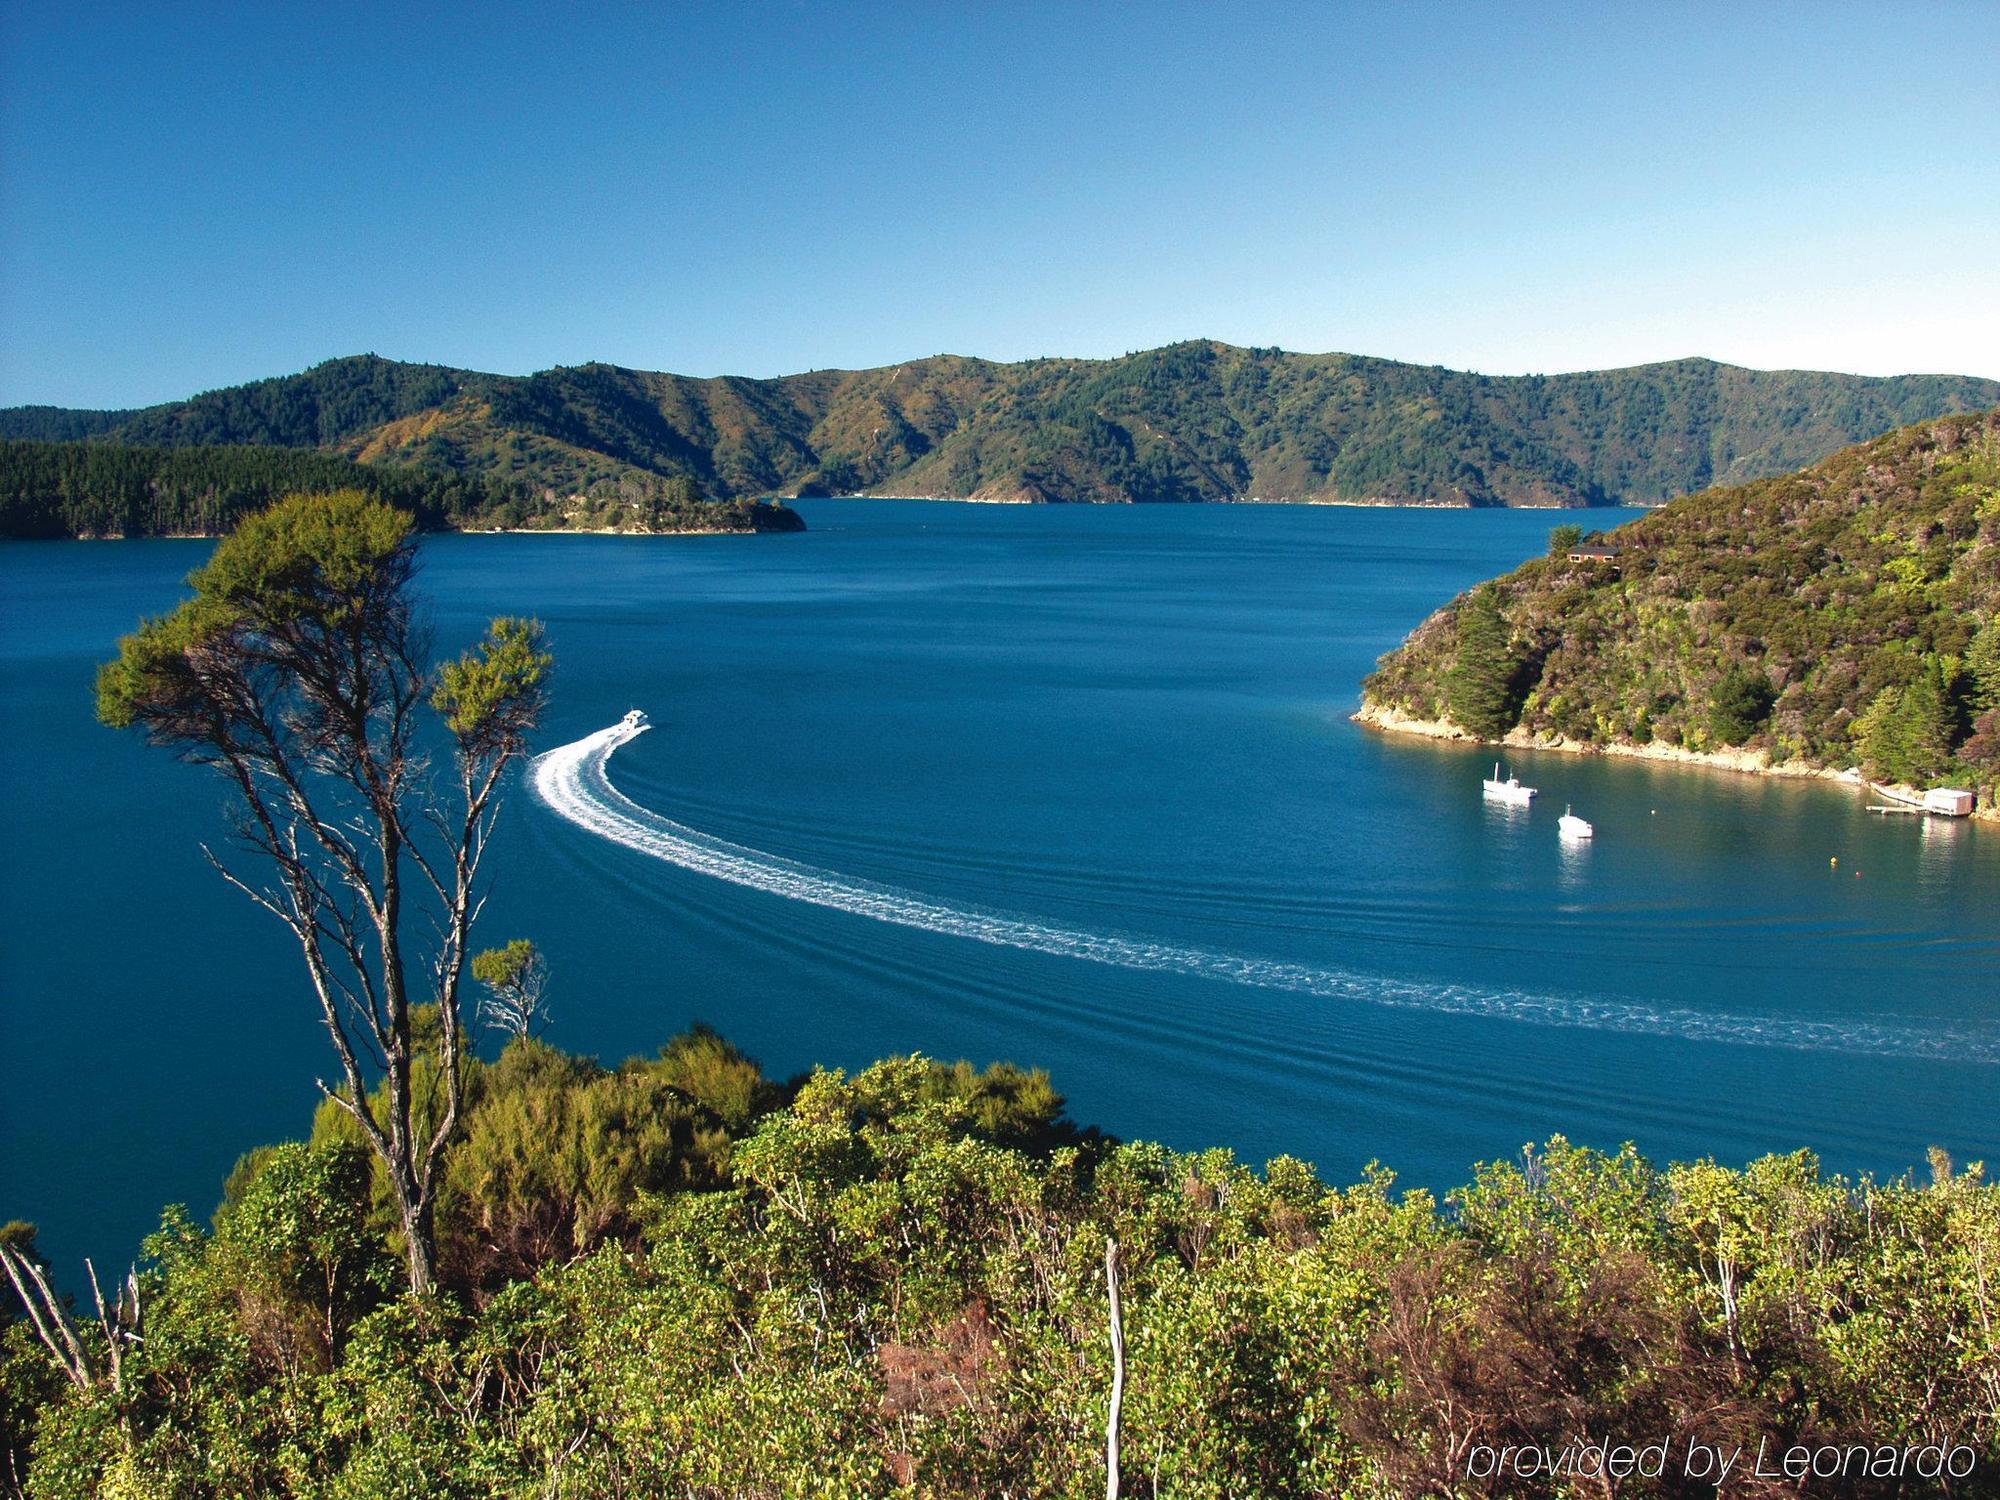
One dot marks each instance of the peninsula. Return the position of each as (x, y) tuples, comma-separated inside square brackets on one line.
[(95, 489), (1839, 619)]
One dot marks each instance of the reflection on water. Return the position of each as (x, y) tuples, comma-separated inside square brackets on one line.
[(1573, 852), (1941, 845)]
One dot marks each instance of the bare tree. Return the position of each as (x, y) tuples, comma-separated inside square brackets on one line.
[(300, 671), (121, 1320)]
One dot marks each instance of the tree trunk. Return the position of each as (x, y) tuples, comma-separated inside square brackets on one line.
[(1117, 1372)]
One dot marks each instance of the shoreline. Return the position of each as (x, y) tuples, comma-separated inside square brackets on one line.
[(1389, 720), (215, 536), (600, 531), (1747, 762), (1368, 503)]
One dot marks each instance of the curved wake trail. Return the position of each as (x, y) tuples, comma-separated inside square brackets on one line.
[(574, 782)]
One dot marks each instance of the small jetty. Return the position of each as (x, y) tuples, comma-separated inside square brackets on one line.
[(1509, 791), (1938, 802)]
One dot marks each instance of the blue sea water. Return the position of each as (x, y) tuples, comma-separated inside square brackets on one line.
[(1071, 786)]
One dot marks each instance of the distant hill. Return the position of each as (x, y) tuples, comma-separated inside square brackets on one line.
[(99, 489), (1193, 421), (1845, 615)]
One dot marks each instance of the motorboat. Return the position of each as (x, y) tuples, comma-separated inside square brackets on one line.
[(635, 718), (1509, 790), (1570, 826)]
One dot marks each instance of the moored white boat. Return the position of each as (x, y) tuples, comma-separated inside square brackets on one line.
[(1509, 790), (1570, 826)]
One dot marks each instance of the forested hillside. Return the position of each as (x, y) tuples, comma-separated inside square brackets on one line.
[(100, 489), (680, 1278), (1193, 421), (1848, 614)]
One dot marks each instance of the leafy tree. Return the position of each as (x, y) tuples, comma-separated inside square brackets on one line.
[(516, 979), (304, 1259), (1480, 690), (1564, 537), (1906, 734), (298, 670), (1740, 704), (1982, 666)]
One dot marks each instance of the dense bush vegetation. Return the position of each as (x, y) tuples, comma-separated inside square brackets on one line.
[(677, 1278), (95, 489), (1193, 421), (1845, 615), (101, 489)]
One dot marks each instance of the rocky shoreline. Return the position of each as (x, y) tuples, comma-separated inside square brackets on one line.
[(1747, 762)]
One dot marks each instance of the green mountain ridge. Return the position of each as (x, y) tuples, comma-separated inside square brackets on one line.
[(1189, 422), (1844, 615)]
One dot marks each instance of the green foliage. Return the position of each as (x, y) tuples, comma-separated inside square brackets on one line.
[(709, 1070), (315, 560), (297, 1244), (1841, 616), (1564, 537), (497, 688), (1907, 732), (863, 1291), (1482, 687), (1192, 421), (1740, 704), (504, 967), (98, 489), (1982, 667)]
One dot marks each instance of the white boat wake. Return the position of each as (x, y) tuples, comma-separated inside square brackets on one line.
[(573, 781)]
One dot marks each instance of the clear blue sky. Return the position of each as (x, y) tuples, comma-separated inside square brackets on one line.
[(196, 195)]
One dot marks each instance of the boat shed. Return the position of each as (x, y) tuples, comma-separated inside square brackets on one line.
[(1948, 801)]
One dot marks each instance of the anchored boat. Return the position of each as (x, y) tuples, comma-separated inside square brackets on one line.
[(1570, 826), (1509, 790)]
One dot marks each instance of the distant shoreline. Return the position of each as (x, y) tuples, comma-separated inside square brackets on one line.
[(212, 536), (1269, 500)]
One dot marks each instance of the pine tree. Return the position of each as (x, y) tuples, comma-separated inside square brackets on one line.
[(1481, 690), (1982, 662), (1906, 733), (1928, 721)]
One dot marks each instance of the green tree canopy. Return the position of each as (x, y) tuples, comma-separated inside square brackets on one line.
[(1740, 704), (1481, 688)]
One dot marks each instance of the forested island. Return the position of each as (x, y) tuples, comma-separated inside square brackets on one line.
[(93, 488), (1196, 421), (1844, 616), (679, 1277)]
